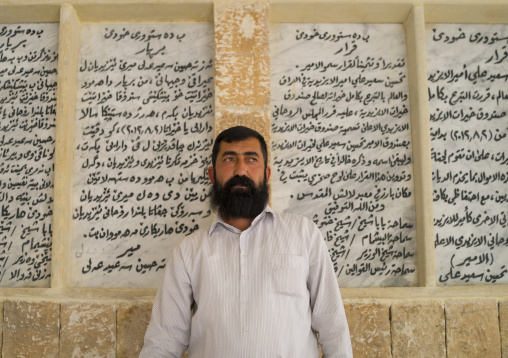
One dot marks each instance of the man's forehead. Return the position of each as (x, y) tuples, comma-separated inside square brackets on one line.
[(241, 146)]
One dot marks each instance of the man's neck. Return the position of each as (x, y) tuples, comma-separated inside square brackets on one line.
[(239, 223)]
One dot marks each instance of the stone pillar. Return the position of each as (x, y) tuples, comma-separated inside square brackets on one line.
[(242, 63), (69, 41)]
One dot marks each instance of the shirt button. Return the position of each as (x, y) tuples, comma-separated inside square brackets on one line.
[(245, 329), (245, 302), (245, 256)]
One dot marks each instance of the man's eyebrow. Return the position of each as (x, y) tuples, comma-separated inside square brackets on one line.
[(232, 152), (254, 154)]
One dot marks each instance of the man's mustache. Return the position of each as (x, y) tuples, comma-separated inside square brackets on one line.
[(240, 180)]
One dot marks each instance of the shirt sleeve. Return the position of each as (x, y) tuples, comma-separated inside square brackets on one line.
[(328, 314), (168, 333)]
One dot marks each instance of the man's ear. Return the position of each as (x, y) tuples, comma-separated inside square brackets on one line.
[(211, 175), (268, 172)]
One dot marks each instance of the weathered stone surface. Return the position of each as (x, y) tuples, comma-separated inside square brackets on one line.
[(30, 329), (88, 330), (418, 330), (242, 64), (472, 328), (369, 326), (132, 321), (503, 320), (242, 80), (257, 120), (1, 323), (241, 28)]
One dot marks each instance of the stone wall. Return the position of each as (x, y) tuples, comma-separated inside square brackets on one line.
[(402, 328), (423, 321)]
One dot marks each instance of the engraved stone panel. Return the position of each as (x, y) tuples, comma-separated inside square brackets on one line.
[(341, 145), (28, 75), (467, 76), (88, 330), (143, 141), (31, 329)]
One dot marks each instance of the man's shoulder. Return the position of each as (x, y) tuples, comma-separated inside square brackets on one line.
[(295, 223), (292, 218), (194, 240), (197, 235)]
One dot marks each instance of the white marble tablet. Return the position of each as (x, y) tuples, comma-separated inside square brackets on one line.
[(144, 131), (341, 145), (468, 92), (28, 79)]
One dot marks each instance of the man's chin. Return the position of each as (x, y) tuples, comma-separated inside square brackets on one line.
[(239, 200)]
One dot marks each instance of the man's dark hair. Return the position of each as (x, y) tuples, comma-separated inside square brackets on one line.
[(236, 134)]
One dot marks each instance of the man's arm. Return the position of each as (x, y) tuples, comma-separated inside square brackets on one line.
[(328, 315), (169, 329)]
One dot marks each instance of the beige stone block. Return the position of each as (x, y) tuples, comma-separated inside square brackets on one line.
[(369, 326), (31, 329), (259, 120), (88, 330), (132, 321), (241, 28), (503, 321), (472, 328), (418, 330), (1, 323), (242, 81)]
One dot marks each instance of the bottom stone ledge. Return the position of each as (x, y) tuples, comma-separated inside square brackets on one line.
[(400, 328)]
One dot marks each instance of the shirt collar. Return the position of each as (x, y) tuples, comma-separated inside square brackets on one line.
[(217, 220)]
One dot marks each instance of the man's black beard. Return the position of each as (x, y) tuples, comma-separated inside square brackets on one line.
[(236, 203)]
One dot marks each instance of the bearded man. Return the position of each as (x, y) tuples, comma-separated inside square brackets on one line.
[(255, 283)]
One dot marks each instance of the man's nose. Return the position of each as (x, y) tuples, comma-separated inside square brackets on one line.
[(240, 168)]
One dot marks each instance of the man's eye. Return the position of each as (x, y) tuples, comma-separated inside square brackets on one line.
[(228, 159)]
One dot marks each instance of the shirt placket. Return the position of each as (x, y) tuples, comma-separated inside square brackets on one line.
[(244, 287)]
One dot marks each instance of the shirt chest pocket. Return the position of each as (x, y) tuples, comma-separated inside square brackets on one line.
[(288, 275)]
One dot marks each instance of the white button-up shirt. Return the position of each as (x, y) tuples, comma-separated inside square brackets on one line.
[(262, 292)]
